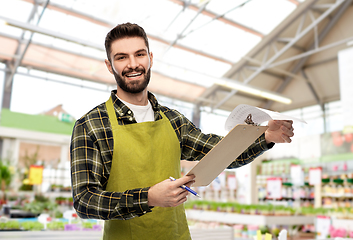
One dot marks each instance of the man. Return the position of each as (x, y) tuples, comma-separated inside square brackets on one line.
[(124, 150)]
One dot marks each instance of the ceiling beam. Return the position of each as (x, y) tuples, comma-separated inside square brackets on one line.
[(104, 23), (271, 37), (47, 32), (222, 19), (267, 72), (188, 49), (312, 89), (299, 65), (310, 52), (18, 61), (180, 34), (49, 46), (318, 63), (287, 40), (74, 13), (303, 9), (35, 29), (295, 39)]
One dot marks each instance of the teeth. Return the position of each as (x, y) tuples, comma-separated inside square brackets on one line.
[(134, 75)]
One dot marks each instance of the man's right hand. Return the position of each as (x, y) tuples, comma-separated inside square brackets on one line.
[(169, 193)]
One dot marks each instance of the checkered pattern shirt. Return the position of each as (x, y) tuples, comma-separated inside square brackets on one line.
[(91, 159)]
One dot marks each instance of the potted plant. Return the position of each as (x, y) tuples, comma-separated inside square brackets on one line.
[(40, 205), (5, 178)]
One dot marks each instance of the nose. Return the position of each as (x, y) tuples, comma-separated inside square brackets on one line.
[(133, 62)]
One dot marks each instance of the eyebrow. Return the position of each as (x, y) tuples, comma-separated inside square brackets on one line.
[(124, 54)]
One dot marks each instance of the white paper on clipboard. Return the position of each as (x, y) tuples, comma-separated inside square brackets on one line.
[(224, 153), (259, 115)]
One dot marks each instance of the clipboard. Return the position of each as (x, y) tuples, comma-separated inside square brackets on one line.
[(224, 153)]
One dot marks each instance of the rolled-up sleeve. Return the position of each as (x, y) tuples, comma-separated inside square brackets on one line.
[(89, 178)]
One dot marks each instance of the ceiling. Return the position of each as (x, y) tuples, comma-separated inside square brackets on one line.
[(286, 47)]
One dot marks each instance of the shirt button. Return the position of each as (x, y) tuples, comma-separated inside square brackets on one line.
[(129, 112)]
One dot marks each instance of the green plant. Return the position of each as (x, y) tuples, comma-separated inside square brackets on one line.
[(264, 229), (41, 204), (275, 231), (12, 198), (87, 225), (189, 204), (26, 187), (60, 199), (32, 226), (5, 173), (41, 198), (28, 160), (56, 225), (10, 225), (58, 213), (5, 176)]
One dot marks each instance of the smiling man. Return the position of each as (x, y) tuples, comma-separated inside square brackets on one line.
[(132, 67), (124, 150)]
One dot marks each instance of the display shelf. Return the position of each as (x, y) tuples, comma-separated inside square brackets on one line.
[(58, 194), (342, 223), (44, 235), (337, 195), (225, 233), (234, 218), (197, 234)]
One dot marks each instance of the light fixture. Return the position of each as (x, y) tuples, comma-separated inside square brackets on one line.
[(50, 33), (253, 91), (2, 22), (209, 80)]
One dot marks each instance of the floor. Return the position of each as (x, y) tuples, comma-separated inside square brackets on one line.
[(52, 235)]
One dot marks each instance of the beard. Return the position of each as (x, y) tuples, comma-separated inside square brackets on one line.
[(133, 86)]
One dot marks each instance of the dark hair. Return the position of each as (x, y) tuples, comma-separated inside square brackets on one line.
[(124, 30)]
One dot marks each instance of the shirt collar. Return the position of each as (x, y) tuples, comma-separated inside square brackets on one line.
[(123, 110)]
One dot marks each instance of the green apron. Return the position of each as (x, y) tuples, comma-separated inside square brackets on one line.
[(144, 154)]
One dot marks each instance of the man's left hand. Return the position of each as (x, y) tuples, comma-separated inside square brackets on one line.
[(279, 131)]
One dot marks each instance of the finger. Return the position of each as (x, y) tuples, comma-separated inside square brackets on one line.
[(177, 188), (182, 200), (183, 197), (184, 193), (179, 191), (178, 199), (288, 131), (184, 180), (190, 177), (287, 123), (189, 184), (286, 138), (177, 203)]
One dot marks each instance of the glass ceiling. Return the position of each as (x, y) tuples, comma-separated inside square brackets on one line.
[(200, 25)]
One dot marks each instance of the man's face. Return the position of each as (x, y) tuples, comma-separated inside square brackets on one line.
[(130, 64)]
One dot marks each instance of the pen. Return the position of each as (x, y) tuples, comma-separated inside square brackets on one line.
[(186, 188)]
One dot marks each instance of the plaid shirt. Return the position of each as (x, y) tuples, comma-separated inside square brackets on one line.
[(91, 158)]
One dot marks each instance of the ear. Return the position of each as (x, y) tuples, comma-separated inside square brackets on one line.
[(109, 66), (151, 59)]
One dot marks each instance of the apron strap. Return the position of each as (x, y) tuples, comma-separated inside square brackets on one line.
[(111, 111)]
